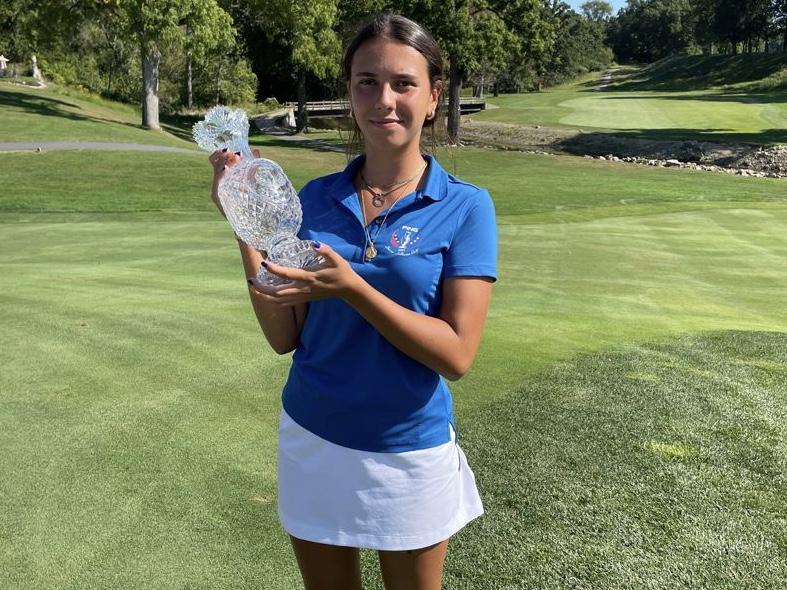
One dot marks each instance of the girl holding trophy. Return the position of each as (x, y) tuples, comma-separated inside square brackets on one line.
[(368, 454)]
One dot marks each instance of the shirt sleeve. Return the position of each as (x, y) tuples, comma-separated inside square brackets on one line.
[(473, 249)]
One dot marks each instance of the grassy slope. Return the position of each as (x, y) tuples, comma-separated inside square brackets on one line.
[(60, 114), (684, 98), (139, 401)]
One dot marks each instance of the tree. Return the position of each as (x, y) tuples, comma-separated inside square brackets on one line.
[(780, 20), (579, 45), (478, 34), (308, 30), (157, 23), (206, 28), (648, 30), (597, 10)]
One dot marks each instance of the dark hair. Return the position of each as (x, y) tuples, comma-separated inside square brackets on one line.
[(403, 30)]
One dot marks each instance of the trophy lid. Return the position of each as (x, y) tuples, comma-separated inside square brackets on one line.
[(222, 128)]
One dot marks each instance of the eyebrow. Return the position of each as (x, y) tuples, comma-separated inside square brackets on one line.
[(374, 75)]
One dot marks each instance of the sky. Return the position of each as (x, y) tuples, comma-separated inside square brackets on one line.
[(616, 4)]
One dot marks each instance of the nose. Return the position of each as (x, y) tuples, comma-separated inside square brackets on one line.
[(385, 100)]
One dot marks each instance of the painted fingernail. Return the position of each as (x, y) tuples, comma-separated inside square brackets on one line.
[(237, 153), (250, 282), (225, 149), (264, 264), (224, 167), (316, 244)]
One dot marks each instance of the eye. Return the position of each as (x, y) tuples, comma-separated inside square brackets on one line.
[(406, 83), (367, 81)]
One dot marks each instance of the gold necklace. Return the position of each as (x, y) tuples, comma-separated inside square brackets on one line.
[(370, 251), (378, 197)]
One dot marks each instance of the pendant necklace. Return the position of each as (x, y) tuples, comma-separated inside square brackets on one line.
[(370, 251), (378, 197)]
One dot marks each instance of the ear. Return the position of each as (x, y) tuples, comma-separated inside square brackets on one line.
[(434, 97)]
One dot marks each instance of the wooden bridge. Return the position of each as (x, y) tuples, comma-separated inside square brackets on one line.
[(339, 108), (286, 115)]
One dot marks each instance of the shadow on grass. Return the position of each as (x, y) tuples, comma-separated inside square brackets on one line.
[(51, 107), (179, 125), (653, 462), (704, 72), (777, 96), (309, 144), (678, 134)]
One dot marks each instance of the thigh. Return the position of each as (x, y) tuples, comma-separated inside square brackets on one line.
[(419, 569), (327, 567)]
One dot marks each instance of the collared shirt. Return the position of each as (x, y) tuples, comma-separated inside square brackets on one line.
[(347, 383)]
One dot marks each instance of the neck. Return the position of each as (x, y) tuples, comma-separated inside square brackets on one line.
[(381, 169)]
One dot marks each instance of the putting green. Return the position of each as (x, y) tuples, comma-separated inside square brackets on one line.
[(714, 114)]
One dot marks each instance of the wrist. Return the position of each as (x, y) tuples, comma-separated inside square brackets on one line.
[(354, 290)]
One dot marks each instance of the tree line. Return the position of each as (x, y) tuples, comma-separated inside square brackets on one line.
[(183, 54), (648, 30)]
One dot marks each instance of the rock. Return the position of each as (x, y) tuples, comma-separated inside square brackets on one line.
[(672, 163)]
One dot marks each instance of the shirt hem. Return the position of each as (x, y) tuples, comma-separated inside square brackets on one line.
[(465, 271), (378, 542)]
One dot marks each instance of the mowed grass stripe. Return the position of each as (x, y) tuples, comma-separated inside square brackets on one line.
[(654, 465), (139, 416), (573, 287), (521, 184)]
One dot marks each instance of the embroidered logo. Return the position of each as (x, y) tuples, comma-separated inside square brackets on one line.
[(403, 241)]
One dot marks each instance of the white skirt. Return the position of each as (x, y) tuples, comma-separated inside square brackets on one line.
[(332, 494)]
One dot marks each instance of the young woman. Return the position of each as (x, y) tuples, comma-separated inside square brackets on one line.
[(368, 456)]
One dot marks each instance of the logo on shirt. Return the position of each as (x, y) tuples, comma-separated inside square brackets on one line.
[(403, 241)]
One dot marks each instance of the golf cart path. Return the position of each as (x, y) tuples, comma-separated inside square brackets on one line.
[(135, 147), (88, 145)]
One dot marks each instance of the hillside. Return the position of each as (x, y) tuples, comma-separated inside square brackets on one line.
[(755, 71), (57, 113)]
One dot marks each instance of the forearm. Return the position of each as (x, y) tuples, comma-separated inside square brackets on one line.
[(429, 340), (280, 324)]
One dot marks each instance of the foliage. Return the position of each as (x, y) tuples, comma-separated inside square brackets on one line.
[(579, 44), (647, 30), (598, 11)]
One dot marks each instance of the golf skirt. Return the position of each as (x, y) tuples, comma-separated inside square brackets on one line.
[(332, 494)]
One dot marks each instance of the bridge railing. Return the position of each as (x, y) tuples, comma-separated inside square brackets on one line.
[(337, 108)]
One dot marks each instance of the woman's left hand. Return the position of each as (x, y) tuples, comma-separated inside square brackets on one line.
[(335, 278)]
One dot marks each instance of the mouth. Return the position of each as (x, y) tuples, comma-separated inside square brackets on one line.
[(386, 123)]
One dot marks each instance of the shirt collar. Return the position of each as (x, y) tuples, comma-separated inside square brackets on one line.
[(435, 187)]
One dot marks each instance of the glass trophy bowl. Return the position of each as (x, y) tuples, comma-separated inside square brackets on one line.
[(259, 200)]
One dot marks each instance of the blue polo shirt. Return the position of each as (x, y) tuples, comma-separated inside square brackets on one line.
[(347, 383)]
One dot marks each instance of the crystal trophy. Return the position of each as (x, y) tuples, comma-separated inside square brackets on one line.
[(259, 200)]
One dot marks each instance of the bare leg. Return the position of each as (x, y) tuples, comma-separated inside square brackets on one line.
[(419, 569), (327, 567)]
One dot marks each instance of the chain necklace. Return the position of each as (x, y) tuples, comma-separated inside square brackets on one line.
[(370, 251), (378, 197)]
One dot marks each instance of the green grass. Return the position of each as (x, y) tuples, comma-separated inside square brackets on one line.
[(660, 104), (624, 417), (140, 401), (652, 465), (701, 72), (61, 114)]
